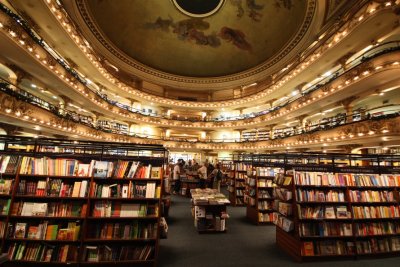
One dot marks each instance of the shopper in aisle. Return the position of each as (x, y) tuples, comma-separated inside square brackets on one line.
[(210, 169), (202, 172), (216, 177), (176, 176)]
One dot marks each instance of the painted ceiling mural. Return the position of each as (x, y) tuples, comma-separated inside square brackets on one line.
[(241, 35)]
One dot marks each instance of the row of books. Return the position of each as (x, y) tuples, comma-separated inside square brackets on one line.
[(42, 252), (319, 178), (283, 208), (313, 195), (281, 179), (132, 230), (266, 171), (346, 179), (327, 247), (371, 196), (240, 184), (372, 212), (250, 181), (118, 209), (323, 212), (241, 166), (6, 186), (50, 209), (46, 231), (99, 169), (265, 205), (117, 253), (283, 222), (377, 228), (239, 192), (9, 164), (373, 180), (374, 245), (283, 194), (338, 247), (131, 190), (262, 193), (320, 229), (265, 217), (265, 183), (240, 175), (53, 188)]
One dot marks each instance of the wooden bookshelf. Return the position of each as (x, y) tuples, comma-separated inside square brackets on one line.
[(259, 196), (238, 183), (332, 217), (110, 212)]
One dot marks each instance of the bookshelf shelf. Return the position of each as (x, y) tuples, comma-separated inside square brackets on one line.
[(60, 177), (45, 217), (36, 176), (333, 211), (124, 218), (236, 184), (259, 196), (109, 180), (48, 197), (119, 240), (141, 199), (43, 241)]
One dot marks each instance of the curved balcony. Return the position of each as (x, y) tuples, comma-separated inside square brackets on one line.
[(374, 129), (291, 104), (334, 35)]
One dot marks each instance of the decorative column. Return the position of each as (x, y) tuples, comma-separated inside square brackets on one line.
[(348, 104)]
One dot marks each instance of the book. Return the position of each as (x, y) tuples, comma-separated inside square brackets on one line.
[(83, 170), (341, 212), (308, 248), (20, 230), (100, 169), (156, 173), (330, 212)]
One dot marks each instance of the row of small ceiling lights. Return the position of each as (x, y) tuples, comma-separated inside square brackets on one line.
[(200, 145), (167, 123), (85, 47)]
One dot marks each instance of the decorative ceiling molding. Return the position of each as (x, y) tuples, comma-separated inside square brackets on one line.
[(160, 76)]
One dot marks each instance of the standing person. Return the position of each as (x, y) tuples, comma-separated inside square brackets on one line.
[(177, 176), (216, 176), (210, 169), (202, 171)]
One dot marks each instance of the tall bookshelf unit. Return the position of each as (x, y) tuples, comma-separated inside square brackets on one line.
[(259, 195), (331, 206), (81, 202), (238, 183)]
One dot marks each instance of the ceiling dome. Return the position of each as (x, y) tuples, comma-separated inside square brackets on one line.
[(170, 40)]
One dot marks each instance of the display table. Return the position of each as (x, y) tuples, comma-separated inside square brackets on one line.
[(209, 210)]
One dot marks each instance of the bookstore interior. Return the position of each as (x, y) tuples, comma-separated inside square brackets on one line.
[(133, 133)]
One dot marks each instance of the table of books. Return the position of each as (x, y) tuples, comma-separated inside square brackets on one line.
[(209, 210)]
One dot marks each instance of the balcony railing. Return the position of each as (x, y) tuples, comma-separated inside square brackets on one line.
[(371, 53)]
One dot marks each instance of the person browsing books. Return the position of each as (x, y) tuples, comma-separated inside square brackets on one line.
[(176, 177), (202, 172)]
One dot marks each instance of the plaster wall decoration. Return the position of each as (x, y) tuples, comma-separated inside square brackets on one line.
[(240, 36)]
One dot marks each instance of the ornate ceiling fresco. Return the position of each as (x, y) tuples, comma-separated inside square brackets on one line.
[(242, 36)]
